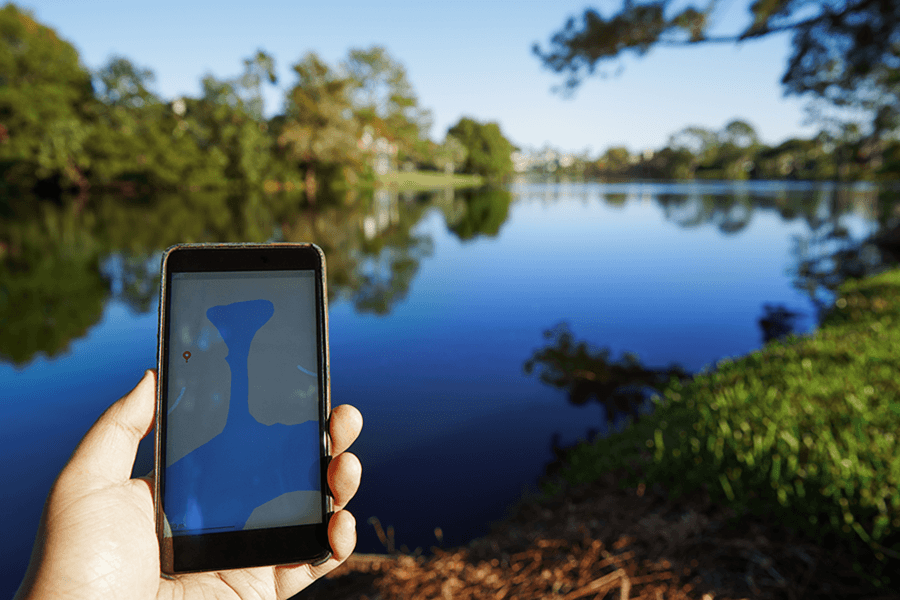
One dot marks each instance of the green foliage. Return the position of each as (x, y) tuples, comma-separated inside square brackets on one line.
[(616, 161), (801, 159), (450, 155), (46, 100), (229, 118), (139, 143), (637, 27), (488, 151), (383, 98), (735, 153), (740, 134), (805, 429), (843, 52), (318, 132), (669, 163), (57, 133)]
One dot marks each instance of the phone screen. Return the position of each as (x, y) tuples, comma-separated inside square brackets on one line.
[(242, 448)]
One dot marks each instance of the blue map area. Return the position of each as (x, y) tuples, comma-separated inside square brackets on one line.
[(218, 485)]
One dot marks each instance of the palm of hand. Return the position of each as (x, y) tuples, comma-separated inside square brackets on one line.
[(97, 537)]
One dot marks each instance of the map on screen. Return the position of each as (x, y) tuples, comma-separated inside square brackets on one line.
[(242, 449)]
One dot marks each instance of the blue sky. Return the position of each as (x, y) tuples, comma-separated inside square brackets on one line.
[(463, 58)]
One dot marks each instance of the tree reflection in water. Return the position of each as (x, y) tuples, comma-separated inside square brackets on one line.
[(621, 387), (828, 255), (590, 374), (50, 289), (777, 322), (61, 261)]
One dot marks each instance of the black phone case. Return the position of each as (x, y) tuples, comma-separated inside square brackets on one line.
[(250, 548)]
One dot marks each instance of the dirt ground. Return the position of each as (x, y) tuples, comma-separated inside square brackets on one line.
[(599, 541)]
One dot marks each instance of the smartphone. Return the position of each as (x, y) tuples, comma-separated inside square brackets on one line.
[(243, 401)]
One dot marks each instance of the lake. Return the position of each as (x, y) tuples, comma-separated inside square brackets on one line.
[(437, 302)]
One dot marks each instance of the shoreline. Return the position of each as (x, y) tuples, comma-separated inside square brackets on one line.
[(426, 180), (601, 539), (617, 525)]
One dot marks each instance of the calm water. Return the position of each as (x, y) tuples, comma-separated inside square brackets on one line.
[(454, 429)]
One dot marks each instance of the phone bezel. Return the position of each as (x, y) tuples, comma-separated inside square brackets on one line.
[(256, 547)]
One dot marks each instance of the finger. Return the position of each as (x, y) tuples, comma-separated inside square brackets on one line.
[(341, 536), (149, 479), (107, 452), (346, 423), (344, 474)]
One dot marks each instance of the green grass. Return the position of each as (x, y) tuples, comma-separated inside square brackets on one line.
[(425, 180), (805, 430)]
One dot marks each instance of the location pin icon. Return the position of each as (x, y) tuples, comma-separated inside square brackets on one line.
[(186, 356)]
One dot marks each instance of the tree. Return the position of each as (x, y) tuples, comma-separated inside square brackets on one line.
[(46, 101), (698, 140), (688, 149), (844, 51), (383, 98), (141, 144), (380, 88), (449, 155), (123, 83), (737, 146), (489, 152), (794, 159), (616, 160), (725, 154), (257, 70), (228, 118), (318, 131), (670, 163), (740, 134)]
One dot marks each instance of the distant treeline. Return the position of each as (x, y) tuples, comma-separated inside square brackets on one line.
[(65, 129), (735, 152)]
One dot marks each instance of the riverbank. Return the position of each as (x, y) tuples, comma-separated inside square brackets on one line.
[(427, 180), (601, 540), (773, 476)]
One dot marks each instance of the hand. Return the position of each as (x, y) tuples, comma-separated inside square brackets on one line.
[(97, 537)]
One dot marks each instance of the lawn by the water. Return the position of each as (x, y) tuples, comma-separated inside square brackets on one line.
[(424, 180)]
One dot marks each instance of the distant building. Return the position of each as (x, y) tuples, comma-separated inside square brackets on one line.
[(545, 160), (383, 152)]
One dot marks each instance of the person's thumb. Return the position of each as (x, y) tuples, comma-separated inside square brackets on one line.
[(106, 453)]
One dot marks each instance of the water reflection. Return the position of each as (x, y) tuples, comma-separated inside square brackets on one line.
[(828, 253), (50, 289), (439, 299), (621, 386), (483, 212), (58, 264), (777, 322)]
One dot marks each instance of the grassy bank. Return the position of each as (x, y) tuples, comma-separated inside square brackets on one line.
[(427, 180), (804, 430)]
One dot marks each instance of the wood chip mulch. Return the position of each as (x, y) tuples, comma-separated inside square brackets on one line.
[(599, 541)]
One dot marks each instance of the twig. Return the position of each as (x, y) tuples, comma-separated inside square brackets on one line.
[(603, 585)]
